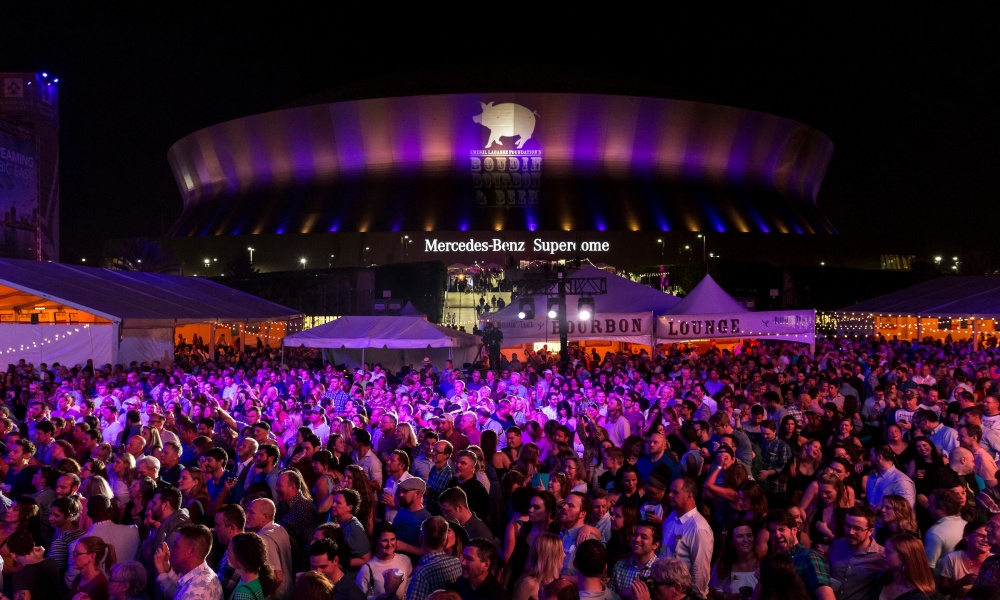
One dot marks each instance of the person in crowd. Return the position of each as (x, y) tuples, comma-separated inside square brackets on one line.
[(479, 565), (325, 559), (247, 555), (295, 511), (959, 569), (260, 520), (856, 559), (92, 558), (646, 541), (908, 575), (545, 562), (230, 521), (37, 576), (182, 571), (809, 564), (435, 569), (455, 507), (688, 535), (128, 581), (371, 577), (736, 570)]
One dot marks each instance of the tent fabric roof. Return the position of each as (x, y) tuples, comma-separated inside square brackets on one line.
[(132, 296), (624, 296), (707, 298), (962, 296), (380, 332)]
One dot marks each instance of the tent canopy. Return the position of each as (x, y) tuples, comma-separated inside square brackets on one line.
[(705, 299), (137, 299), (381, 332), (623, 314), (962, 296), (623, 296)]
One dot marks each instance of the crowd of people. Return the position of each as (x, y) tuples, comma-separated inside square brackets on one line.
[(865, 469)]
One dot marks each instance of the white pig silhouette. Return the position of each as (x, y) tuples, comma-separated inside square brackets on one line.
[(506, 120)]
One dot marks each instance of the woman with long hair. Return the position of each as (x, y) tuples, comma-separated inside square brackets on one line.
[(960, 568), (559, 486), (633, 447), (356, 480), (153, 441), (545, 561), (406, 440), (520, 504), (247, 553), (897, 517), (122, 475), (92, 557), (93, 486), (576, 474), (527, 461), (779, 580), (805, 468), (624, 520), (481, 476), (312, 585), (839, 467), (788, 432), (134, 512), (325, 479), (541, 516), (196, 499), (926, 469), (753, 508), (738, 563), (826, 522), (338, 447), (22, 514), (907, 574), (632, 492)]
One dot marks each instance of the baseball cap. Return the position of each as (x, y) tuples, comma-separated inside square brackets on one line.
[(412, 483)]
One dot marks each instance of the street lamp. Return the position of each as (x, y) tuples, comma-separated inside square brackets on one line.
[(302, 261), (704, 246), (660, 241), (402, 245), (251, 255)]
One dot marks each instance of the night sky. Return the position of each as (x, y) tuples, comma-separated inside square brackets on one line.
[(909, 100)]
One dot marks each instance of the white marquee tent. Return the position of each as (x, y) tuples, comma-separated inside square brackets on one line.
[(393, 341), (624, 314), (708, 312), (51, 312)]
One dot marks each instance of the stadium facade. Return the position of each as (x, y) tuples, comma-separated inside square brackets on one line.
[(492, 177)]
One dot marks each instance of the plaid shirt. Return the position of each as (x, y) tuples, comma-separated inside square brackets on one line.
[(228, 576), (626, 571), (339, 399), (811, 567), (437, 482), (434, 571), (775, 456)]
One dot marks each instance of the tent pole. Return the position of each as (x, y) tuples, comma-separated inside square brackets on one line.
[(975, 337), (362, 360), (919, 332), (282, 354), (211, 342)]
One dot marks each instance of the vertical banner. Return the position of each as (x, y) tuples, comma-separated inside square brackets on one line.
[(18, 196)]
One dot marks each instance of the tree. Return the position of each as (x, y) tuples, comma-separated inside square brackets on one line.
[(145, 255)]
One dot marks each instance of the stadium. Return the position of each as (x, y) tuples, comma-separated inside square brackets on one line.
[(493, 170)]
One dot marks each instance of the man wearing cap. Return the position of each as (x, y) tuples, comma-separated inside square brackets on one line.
[(410, 514), (317, 422)]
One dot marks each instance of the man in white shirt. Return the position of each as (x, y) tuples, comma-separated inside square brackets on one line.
[(948, 531), (687, 535)]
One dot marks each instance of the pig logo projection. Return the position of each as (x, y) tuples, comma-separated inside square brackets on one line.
[(506, 120)]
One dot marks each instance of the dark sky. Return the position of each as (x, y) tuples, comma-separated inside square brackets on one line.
[(909, 99)]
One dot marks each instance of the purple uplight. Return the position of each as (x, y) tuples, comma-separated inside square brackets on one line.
[(463, 226), (601, 226)]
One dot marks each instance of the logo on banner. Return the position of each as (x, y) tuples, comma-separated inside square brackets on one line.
[(504, 174), (13, 87)]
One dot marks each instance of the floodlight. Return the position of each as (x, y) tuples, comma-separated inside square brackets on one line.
[(526, 309), (585, 308), (553, 308)]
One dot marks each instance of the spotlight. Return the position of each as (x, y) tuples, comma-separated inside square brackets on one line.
[(526, 309), (553, 308), (585, 308)]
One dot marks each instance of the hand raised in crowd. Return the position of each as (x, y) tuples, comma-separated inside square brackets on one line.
[(162, 559)]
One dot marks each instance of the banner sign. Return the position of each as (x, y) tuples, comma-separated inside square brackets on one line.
[(785, 325), (601, 327), (18, 196)]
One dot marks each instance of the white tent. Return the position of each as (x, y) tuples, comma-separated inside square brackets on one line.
[(708, 312), (393, 341), (623, 314), (51, 312)]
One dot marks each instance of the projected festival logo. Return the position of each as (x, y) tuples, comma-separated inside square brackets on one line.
[(505, 173)]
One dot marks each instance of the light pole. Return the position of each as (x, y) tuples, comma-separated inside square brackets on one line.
[(704, 246), (302, 261), (662, 257), (402, 247), (251, 255)]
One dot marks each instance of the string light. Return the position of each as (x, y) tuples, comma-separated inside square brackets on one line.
[(46, 341)]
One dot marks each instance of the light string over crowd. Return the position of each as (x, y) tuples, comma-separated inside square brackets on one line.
[(867, 469)]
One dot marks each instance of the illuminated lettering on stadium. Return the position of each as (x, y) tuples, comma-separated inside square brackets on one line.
[(498, 245)]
